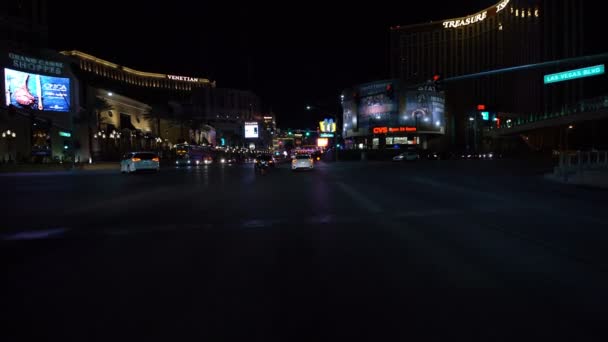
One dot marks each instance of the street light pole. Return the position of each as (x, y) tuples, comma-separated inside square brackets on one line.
[(10, 137)]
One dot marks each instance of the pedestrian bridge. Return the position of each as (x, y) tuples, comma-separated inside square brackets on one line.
[(587, 110)]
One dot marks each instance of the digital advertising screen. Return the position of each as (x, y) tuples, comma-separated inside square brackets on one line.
[(424, 110), (376, 102), (37, 92), (251, 130)]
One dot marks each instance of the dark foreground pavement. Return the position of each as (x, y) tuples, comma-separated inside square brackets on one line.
[(465, 250)]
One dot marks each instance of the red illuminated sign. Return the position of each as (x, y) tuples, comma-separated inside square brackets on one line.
[(385, 130), (380, 130), (481, 107)]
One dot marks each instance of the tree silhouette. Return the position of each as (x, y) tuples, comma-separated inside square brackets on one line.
[(91, 114)]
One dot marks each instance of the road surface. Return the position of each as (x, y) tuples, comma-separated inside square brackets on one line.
[(467, 250)]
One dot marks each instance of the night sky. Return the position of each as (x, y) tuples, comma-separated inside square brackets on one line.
[(290, 55)]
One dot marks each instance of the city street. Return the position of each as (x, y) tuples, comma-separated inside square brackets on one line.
[(467, 250)]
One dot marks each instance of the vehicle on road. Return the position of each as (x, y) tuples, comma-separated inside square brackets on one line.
[(431, 156), (227, 160), (302, 162), (263, 162), (191, 155), (139, 161), (407, 156)]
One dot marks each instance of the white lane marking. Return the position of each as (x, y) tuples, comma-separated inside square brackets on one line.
[(35, 235), (361, 199)]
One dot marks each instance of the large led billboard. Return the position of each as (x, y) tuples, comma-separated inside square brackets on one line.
[(251, 130), (378, 102), (424, 110), (37, 92), (391, 104)]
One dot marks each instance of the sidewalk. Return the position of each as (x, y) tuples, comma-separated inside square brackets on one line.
[(589, 178), (29, 168)]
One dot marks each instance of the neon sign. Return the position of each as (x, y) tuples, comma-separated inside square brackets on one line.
[(182, 78), (36, 65), (385, 130), (574, 74), (327, 126), (502, 5), (466, 21)]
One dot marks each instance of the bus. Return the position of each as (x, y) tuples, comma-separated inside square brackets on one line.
[(187, 154)]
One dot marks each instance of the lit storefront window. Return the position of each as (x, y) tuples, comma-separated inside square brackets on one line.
[(400, 141)]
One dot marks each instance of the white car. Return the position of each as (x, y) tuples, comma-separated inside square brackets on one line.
[(302, 162), (139, 161), (407, 156)]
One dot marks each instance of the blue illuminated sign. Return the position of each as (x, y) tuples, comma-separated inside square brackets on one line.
[(575, 74)]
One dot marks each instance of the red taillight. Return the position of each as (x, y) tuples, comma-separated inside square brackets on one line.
[(135, 159), (156, 159)]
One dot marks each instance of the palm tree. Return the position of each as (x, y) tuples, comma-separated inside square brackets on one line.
[(156, 113), (180, 116), (90, 114)]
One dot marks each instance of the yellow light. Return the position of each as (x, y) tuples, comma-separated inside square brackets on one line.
[(79, 54)]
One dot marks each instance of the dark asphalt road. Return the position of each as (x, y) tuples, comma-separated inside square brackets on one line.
[(466, 250)]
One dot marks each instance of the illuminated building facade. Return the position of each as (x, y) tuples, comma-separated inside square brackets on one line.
[(510, 33), (145, 86), (194, 99)]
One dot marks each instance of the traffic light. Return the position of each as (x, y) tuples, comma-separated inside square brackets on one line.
[(307, 134), (438, 82), (390, 91)]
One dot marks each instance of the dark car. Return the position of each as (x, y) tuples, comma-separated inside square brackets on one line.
[(316, 156), (263, 161)]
